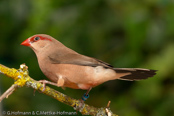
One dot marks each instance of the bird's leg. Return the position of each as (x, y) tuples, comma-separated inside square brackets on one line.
[(44, 82), (88, 90), (83, 99)]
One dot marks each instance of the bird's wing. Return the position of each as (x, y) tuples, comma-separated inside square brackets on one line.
[(77, 59)]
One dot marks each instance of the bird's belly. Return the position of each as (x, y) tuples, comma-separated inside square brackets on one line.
[(75, 74), (80, 77)]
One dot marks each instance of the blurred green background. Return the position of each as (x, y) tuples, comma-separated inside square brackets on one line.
[(123, 33)]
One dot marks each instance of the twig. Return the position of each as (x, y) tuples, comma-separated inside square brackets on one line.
[(109, 102), (8, 92), (22, 78), (108, 111)]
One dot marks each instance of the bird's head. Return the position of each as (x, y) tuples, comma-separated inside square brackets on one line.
[(38, 42)]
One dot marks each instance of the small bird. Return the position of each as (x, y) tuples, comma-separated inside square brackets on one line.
[(67, 68)]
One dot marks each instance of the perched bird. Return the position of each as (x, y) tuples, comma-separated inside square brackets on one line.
[(67, 68)]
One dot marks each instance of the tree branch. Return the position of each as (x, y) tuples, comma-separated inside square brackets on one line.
[(22, 78), (8, 92)]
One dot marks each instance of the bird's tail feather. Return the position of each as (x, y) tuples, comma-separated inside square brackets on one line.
[(135, 73)]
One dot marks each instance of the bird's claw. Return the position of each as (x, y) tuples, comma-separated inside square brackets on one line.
[(44, 82), (80, 106)]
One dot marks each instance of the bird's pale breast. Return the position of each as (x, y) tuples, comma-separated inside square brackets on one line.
[(79, 77)]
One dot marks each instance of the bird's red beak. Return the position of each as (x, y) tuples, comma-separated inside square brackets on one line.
[(26, 42)]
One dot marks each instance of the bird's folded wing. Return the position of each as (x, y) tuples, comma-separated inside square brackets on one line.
[(77, 59)]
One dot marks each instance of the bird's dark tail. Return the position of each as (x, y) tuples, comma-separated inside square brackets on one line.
[(135, 73)]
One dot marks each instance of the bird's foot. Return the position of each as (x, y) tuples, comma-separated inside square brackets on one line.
[(44, 82), (80, 106)]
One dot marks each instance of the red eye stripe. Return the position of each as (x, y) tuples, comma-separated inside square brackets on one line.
[(41, 38)]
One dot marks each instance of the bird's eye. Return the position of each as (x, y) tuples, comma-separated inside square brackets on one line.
[(36, 38)]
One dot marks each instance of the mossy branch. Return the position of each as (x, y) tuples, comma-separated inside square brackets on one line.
[(22, 78)]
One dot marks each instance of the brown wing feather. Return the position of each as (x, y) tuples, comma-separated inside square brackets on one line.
[(77, 59)]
